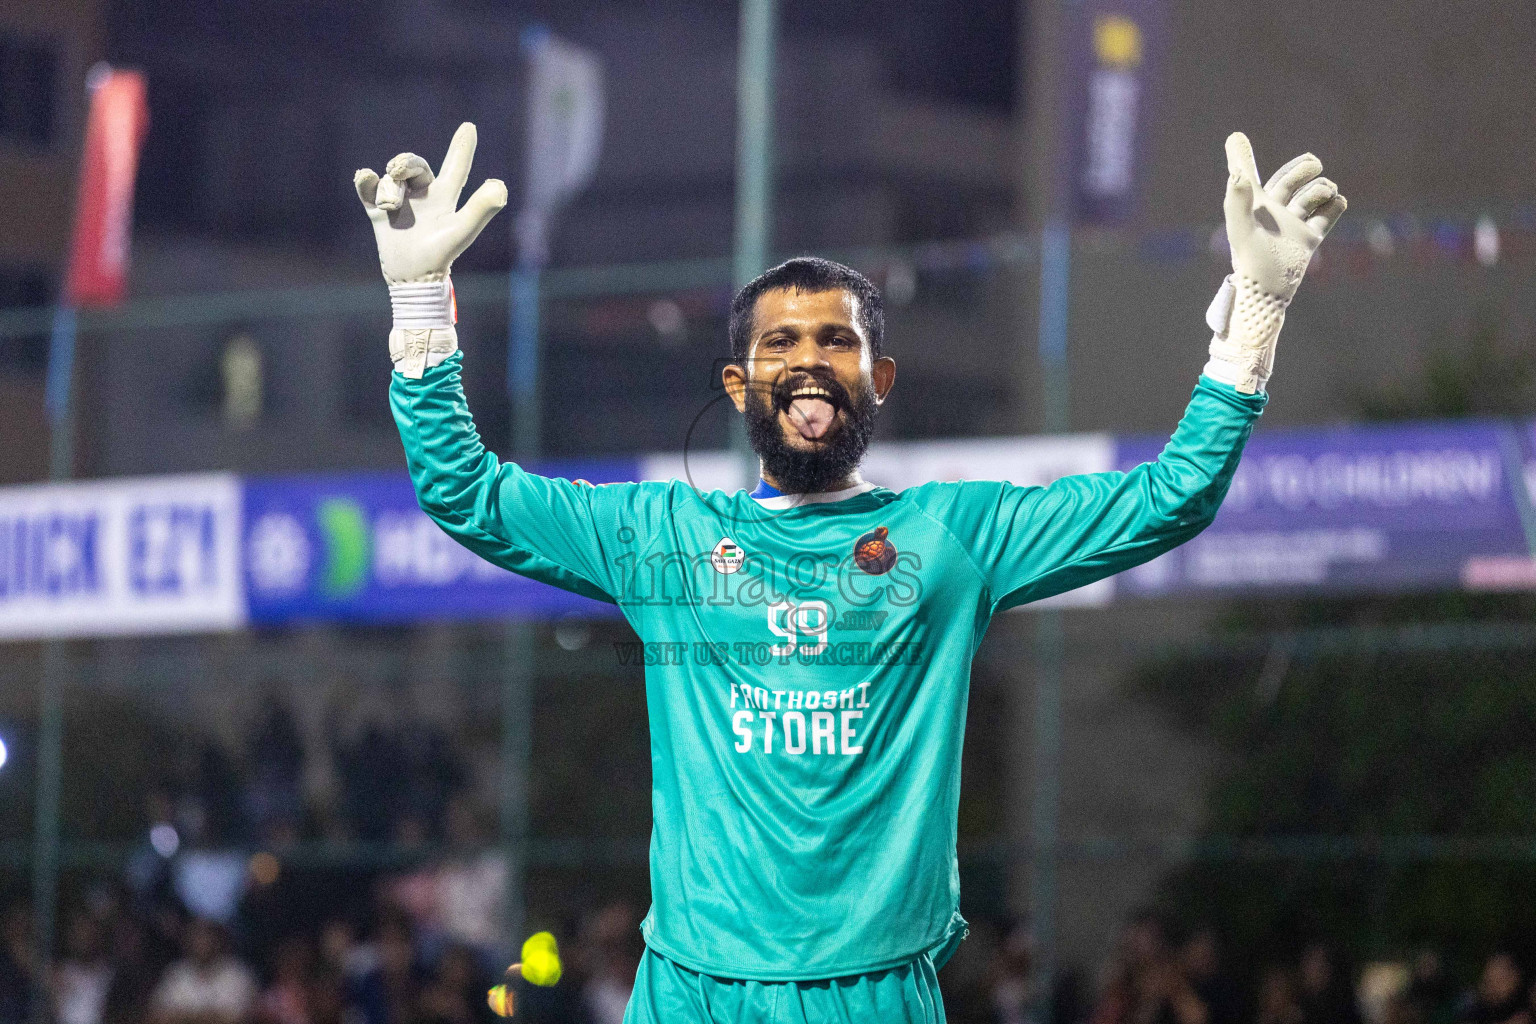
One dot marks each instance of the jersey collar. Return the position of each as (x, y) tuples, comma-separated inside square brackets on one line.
[(768, 496)]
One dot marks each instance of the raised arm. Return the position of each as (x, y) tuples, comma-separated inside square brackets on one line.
[(1033, 542), (1029, 543), (555, 531), (421, 232)]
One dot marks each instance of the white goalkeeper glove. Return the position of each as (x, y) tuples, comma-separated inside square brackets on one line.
[(1273, 232), (420, 233)]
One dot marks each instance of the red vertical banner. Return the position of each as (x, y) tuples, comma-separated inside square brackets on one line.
[(119, 117)]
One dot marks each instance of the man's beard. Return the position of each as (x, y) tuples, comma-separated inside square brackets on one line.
[(832, 459)]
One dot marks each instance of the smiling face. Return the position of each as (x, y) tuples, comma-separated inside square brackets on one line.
[(809, 388)]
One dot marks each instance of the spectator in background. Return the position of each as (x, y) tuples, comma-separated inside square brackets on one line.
[(1200, 956), (207, 985), (1430, 999), (1009, 984), (395, 781), (417, 895), (387, 992), (141, 957), (370, 767), (274, 801), (1147, 983), (1167, 997), (432, 773), (212, 811), (338, 964), (340, 953), (456, 993), (83, 979), (614, 947), (1279, 1001), (1327, 994), (472, 889), (287, 1000), (210, 882), (1501, 996), (148, 872), (1134, 949), (461, 899), (18, 987)]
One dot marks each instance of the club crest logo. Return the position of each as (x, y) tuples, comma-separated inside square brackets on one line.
[(727, 557), (874, 552)]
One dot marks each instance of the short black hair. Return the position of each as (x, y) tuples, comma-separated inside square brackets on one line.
[(808, 274)]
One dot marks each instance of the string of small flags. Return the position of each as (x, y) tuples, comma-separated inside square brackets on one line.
[(1357, 248)]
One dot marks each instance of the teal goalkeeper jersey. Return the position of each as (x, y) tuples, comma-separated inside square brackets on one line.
[(807, 667)]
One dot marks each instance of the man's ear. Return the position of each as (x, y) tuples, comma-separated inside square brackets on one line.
[(735, 380), (884, 372)]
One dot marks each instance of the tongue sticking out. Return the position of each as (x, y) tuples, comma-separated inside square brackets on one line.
[(811, 416)]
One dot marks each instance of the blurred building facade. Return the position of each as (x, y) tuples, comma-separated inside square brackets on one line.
[(259, 122), (45, 50), (858, 166)]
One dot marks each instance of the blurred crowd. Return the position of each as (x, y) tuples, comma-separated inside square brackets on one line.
[(121, 964), (198, 929), (121, 960), (1160, 974), (390, 779)]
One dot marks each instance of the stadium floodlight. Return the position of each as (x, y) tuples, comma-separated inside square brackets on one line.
[(4, 754)]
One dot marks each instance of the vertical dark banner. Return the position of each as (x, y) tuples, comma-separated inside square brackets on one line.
[(1114, 47)]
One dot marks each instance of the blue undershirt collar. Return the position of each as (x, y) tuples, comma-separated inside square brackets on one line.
[(765, 490)]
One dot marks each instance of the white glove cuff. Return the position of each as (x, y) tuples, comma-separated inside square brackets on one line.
[(422, 304), (423, 333), (414, 349), (1246, 322)]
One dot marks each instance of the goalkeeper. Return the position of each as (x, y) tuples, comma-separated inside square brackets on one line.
[(806, 767)]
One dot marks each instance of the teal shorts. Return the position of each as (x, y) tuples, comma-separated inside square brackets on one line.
[(668, 993)]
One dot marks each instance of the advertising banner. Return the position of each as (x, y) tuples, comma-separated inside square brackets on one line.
[(566, 105), (1111, 61), (902, 464), (357, 547), (1370, 509), (1399, 508), (115, 127), (154, 555)]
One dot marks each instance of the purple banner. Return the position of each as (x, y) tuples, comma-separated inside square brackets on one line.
[(1411, 507), (1112, 46), (356, 547)]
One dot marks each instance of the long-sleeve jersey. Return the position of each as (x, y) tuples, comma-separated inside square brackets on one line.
[(807, 666)]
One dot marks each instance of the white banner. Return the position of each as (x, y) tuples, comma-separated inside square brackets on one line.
[(148, 555), (1026, 461), (565, 135)]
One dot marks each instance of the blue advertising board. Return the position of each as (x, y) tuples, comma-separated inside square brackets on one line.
[(1390, 508), (357, 547)]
